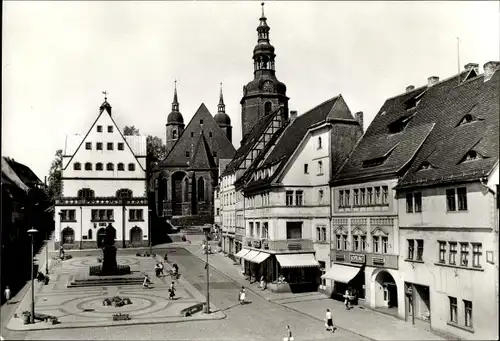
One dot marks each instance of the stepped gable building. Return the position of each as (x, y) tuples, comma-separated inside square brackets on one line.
[(183, 182), (104, 185)]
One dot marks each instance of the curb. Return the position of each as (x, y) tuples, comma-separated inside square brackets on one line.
[(279, 304)]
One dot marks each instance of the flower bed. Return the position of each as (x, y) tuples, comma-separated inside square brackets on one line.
[(116, 301), (121, 317), (95, 270)]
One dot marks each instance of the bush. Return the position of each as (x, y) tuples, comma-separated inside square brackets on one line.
[(95, 270), (121, 317)]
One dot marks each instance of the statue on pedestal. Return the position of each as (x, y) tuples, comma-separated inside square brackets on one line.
[(109, 265)]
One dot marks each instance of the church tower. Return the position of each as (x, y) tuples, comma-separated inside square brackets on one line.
[(175, 123), (264, 93), (223, 120)]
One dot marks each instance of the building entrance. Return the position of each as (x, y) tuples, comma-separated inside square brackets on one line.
[(386, 292)]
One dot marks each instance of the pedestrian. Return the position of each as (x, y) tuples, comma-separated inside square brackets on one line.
[(346, 301), (289, 336), (242, 295), (172, 291), (162, 267), (329, 321), (165, 257), (262, 283), (61, 252), (7, 294), (146, 282)]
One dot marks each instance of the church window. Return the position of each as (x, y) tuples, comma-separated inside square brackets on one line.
[(214, 154), (110, 145), (131, 167), (88, 145), (267, 108), (99, 146), (110, 129), (120, 145), (110, 166), (174, 134), (85, 193), (201, 121), (121, 167), (98, 166), (187, 154), (124, 193), (186, 190), (201, 189), (192, 134), (99, 129), (210, 134), (77, 166), (88, 166)]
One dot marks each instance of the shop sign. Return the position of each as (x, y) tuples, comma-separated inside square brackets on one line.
[(378, 260), (339, 257), (357, 258), (256, 244)]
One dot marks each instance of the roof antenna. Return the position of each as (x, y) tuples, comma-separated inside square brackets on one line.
[(458, 58)]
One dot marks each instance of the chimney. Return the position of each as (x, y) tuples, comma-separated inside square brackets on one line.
[(410, 88), (293, 115), (359, 117), (432, 80), (489, 70), (472, 66)]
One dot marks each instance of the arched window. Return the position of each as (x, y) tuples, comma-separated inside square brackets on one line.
[(67, 236), (88, 166), (319, 143), (165, 183), (174, 134), (98, 166), (124, 193), (131, 167), (267, 108), (201, 189), (85, 193), (110, 166), (186, 190), (90, 234), (77, 166), (121, 167)]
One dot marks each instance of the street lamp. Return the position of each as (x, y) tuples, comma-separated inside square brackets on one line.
[(149, 232), (32, 232), (206, 229)]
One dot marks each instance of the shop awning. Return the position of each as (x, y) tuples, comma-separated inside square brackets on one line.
[(301, 260), (341, 273), (262, 256), (251, 255), (242, 253)]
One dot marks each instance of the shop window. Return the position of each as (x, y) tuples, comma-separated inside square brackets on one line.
[(468, 313), (453, 309), (464, 254), (453, 253), (476, 255), (442, 251)]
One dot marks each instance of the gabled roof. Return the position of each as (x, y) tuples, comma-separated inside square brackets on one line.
[(448, 143), (202, 158), (9, 174), (218, 142), (23, 172)]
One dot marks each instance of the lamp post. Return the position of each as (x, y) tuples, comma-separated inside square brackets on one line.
[(32, 232), (149, 232), (206, 229)]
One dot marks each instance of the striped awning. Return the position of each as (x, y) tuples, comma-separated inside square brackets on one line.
[(262, 256), (301, 260), (251, 255), (242, 253)]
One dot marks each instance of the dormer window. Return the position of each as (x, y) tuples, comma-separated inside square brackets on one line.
[(400, 124), (471, 156), (413, 102), (425, 165), (377, 161)]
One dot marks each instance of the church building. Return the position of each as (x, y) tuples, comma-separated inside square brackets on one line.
[(104, 185)]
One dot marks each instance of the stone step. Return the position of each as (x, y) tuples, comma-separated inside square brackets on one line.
[(102, 283)]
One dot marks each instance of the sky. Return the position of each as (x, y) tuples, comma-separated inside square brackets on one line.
[(58, 57)]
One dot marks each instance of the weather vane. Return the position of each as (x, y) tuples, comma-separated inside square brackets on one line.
[(105, 93)]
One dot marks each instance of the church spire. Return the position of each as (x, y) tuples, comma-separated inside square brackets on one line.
[(221, 107), (175, 103), (263, 53)]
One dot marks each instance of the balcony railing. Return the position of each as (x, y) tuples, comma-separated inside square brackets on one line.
[(279, 245), (101, 201)]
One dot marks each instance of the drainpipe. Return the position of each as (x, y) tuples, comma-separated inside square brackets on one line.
[(81, 227)]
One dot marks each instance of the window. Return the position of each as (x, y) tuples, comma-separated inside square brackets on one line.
[(98, 166), (110, 129), (214, 154), (88, 145), (121, 167), (442, 251), (293, 230), (319, 143), (192, 134), (347, 199), (110, 166), (356, 243), (320, 196), (468, 313), (320, 167), (362, 196), (409, 203), (363, 243), (289, 198), (265, 230), (410, 248), (267, 108), (453, 253), (420, 249), (341, 198), (135, 214), (209, 134), (99, 129), (370, 196), (418, 201), (85, 193), (462, 198), (120, 145), (338, 238), (453, 309), (109, 146), (102, 215), (306, 168), (68, 215), (464, 254), (88, 166), (450, 199), (187, 154), (385, 243), (377, 195), (90, 234), (356, 197), (77, 166), (131, 167), (174, 134), (201, 189), (201, 121), (298, 198), (218, 211), (476, 255), (376, 244), (124, 193), (385, 195), (98, 146), (344, 241)]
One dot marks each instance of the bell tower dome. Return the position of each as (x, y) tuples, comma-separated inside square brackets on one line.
[(222, 119), (175, 122)]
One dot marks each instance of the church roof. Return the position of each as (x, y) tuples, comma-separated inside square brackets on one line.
[(213, 136), (202, 158)]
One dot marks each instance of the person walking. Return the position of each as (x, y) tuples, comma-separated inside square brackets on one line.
[(346, 299), (329, 321), (289, 336), (146, 282), (162, 267), (172, 291), (7, 294), (242, 295), (262, 283)]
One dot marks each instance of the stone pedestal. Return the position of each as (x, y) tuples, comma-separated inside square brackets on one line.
[(109, 265)]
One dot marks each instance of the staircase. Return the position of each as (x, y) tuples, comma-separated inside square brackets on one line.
[(105, 281)]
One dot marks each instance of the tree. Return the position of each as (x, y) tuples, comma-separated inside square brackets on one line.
[(156, 150), (130, 131), (54, 188)]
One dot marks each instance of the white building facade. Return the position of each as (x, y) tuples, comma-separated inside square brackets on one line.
[(104, 184)]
